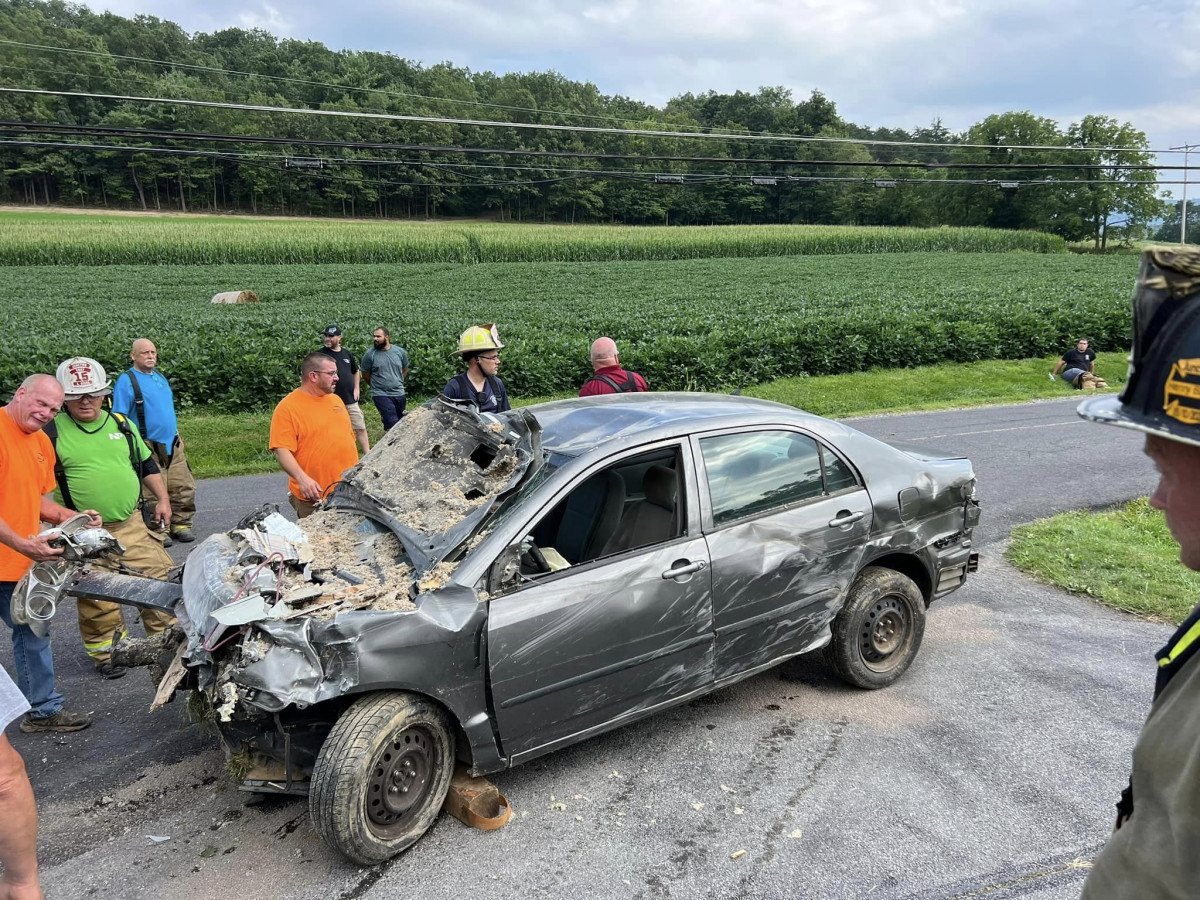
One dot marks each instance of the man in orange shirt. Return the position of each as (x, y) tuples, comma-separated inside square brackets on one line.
[(311, 434), (26, 480)]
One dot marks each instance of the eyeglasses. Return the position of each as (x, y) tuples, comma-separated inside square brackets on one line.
[(328, 374), (490, 358), (96, 397)]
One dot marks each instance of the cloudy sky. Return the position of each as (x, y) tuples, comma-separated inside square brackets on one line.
[(898, 63)]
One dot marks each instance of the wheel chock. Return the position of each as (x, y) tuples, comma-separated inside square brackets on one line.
[(476, 801)]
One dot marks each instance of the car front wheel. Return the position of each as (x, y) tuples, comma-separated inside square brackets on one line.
[(878, 632), (381, 776)]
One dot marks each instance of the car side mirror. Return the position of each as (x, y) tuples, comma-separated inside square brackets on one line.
[(505, 573)]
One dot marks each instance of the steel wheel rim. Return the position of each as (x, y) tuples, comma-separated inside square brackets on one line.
[(401, 778), (885, 632)]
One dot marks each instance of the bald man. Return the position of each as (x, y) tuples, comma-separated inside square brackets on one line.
[(26, 480), (609, 377), (144, 397)]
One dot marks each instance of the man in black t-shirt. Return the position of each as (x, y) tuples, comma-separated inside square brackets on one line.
[(1080, 365), (348, 382)]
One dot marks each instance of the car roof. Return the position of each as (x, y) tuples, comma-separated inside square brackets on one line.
[(574, 427)]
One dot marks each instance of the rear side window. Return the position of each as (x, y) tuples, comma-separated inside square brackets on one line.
[(838, 476), (759, 470)]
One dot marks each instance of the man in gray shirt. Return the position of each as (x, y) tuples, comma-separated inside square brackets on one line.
[(384, 368)]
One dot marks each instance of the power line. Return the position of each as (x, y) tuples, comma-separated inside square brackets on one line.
[(308, 83), (217, 137), (574, 174), (589, 129), (238, 160)]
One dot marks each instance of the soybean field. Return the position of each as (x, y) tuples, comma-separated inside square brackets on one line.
[(708, 324)]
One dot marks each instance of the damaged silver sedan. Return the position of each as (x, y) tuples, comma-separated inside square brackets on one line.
[(488, 589)]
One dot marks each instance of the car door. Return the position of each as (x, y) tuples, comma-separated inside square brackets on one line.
[(606, 639), (786, 521)]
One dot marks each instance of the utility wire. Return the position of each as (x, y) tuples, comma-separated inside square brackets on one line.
[(105, 130), (316, 173), (307, 83), (574, 174), (589, 129)]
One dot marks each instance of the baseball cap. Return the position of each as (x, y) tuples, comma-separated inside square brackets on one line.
[(332, 331)]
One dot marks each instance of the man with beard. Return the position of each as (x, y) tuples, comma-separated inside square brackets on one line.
[(384, 367)]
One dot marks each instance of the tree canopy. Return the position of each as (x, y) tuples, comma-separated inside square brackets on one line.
[(610, 178)]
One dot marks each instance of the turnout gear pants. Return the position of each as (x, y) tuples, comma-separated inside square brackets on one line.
[(100, 620), (181, 484)]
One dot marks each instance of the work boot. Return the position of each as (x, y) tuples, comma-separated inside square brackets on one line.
[(63, 720), (111, 672), (183, 535), (167, 542)]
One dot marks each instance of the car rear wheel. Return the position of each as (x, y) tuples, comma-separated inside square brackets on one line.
[(381, 776), (878, 632)]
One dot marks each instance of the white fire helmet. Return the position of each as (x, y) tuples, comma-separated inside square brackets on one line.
[(80, 375)]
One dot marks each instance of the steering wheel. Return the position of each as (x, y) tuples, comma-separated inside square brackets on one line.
[(539, 558)]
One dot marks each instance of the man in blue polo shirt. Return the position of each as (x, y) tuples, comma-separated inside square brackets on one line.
[(144, 397)]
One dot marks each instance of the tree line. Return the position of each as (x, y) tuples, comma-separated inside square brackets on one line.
[(1078, 203)]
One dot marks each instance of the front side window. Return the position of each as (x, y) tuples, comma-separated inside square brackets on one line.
[(756, 471), (637, 502)]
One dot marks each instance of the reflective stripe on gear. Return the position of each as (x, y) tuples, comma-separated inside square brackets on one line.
[(99, 620), (1181, 645)]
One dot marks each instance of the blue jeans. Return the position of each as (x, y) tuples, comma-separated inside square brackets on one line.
[(33, 659), (391, 409)]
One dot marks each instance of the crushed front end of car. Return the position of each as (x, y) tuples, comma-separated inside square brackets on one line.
[(281, 625)]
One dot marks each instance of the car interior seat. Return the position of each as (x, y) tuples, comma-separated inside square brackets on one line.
[(590, 517), (652, 520)]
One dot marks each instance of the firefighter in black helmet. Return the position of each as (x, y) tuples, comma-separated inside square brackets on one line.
[(1155, 849)]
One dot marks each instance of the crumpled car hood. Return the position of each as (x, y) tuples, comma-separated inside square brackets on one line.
[(434, 477)]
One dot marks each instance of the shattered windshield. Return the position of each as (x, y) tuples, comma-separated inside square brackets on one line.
[(514, 501), (433, 478)]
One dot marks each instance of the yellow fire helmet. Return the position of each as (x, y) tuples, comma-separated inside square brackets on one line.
[(478, 337), (80, 375), (1162, 393)]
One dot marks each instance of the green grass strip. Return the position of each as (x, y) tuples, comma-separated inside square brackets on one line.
[(1125, 558), (220, 444)]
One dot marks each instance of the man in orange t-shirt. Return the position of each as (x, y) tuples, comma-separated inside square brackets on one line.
[(311, 434), (26, 480)]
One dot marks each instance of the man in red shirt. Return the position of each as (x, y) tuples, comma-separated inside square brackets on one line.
[(609, 377)]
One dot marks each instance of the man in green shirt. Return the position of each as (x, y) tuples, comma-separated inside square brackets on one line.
[(97, 452)]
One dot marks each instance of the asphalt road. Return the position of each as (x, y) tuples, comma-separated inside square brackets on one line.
[(990, 768)]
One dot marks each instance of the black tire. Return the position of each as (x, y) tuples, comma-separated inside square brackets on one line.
[(877, 634), (381, 776)]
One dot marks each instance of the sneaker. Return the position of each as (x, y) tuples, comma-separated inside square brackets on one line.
[(183, 535), (63, 720), (109, 671)]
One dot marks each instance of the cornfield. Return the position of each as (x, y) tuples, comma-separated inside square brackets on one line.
[(38, 239)]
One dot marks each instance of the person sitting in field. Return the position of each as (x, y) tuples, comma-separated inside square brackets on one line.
[(1080, 368)]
